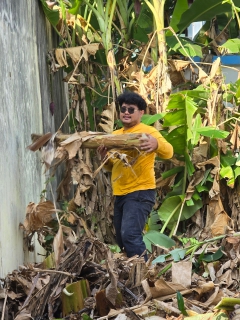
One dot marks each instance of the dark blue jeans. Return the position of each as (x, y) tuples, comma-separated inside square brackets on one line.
[(130, 215)]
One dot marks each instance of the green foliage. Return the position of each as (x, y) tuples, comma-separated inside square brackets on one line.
[(203, 11), (181, 111), (185, 121), (213, 133), (75, 6), (158, 239), (172, 207), (213, 257), (184, 46), (153, 222), (117, 26), (185, 240), (114, 248), (150, 119), (171, 172), (52, 15), (181, 305), (227, 303), (176, 254), (86, 317), (230, 46), (180, 7)]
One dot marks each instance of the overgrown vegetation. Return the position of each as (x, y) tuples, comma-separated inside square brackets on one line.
[(109, 46)]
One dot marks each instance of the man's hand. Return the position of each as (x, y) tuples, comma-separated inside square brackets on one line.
[(148, 143), (102, 151)]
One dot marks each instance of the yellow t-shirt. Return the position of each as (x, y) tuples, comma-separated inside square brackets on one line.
[(140, 174)]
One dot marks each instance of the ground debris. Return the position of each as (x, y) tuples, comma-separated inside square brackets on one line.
[(91, 282), (117, 287), (36, 292)]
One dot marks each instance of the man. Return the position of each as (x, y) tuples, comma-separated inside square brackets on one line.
[(134, 185)]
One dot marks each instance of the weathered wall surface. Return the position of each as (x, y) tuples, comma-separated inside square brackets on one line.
[(26, 92)]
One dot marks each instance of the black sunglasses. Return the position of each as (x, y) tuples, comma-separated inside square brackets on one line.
[(130, 110)]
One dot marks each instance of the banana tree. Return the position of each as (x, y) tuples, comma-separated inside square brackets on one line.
[(122, 59)]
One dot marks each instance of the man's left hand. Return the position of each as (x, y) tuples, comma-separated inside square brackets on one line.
[(148, 143)]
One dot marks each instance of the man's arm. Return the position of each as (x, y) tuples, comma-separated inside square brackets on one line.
[(155, 142), (102, 151)]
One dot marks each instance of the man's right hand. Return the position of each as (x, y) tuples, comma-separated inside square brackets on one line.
[(102, 151)]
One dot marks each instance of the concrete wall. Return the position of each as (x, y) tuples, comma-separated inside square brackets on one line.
[(26, 91)]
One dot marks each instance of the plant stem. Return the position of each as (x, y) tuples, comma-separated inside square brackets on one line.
[(179, 217), (193, 248), (165, 269), (169, 218)]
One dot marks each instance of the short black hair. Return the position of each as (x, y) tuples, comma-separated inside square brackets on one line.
[(129, 97)]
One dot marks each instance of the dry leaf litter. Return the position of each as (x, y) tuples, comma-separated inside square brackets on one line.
[(84, 279)]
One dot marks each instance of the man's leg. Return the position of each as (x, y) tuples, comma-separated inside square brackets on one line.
[(136, 208), (117, 219)]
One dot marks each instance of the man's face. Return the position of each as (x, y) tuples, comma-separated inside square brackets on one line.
[(130, 115)]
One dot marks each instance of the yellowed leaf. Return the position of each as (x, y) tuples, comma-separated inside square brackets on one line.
[(179, 64), (111, 290), (61, 57), (111, 60), (220, 224), (233, 240), (235, 141), (212, 297), (202, 76), (75, 53), (143, 310), (72, 144), (48, 152), (107, 118), (196, 179), (204, 287), (58, 245), (69, 235), (215, 68), (226, 279), (92, 48), (182, 273), (214, 161), (38, 215), (162, 288), (83, 223), (73, 80), (160, 182), (61, 153)]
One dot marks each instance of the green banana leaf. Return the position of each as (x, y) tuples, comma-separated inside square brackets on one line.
[(75, 6), (150, 119), (181, 114), (176, 254), (204, 11), (180, 7), (156, 238), (228, 174), (177, 139), (230, 46), (190, 48), (171, 208), (213, 133), (227, 303), (52, 15), (196, 125)]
